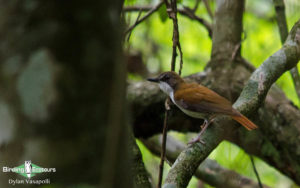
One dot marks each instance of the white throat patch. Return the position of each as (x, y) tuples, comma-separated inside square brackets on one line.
[(166, 88)]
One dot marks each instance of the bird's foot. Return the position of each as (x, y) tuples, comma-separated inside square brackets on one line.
[(195, 140)]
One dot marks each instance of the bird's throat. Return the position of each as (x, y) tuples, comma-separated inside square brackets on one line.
[(166, 88)]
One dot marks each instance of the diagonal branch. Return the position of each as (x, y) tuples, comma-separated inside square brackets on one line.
[(249, 101), (276, 141), (211, 15), (262, 78), (209, 171), (149, 13), (283, 31), (139, 172), (185, 11), (190, 14)]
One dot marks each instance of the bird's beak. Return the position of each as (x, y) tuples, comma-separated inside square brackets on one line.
[(153, 79)]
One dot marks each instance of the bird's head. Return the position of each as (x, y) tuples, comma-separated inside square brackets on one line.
[(168, 81)]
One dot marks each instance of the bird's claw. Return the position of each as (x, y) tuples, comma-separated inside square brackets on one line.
[(195, 140)]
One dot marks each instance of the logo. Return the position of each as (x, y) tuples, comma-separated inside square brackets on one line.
[(28, 170)]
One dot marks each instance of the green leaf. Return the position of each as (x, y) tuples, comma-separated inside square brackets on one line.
[(162, 11)]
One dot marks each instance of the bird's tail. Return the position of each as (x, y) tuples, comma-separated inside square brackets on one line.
[(243, 120)]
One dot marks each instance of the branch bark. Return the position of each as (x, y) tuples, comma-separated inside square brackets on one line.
[(269, 142), (277, 134), (283, 31), (141, 177), (249, 101), (228, 15), (209, 171)]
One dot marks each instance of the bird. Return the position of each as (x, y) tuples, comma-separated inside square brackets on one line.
[(198, 101)]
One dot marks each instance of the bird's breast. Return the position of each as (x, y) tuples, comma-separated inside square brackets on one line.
[(193, 114)]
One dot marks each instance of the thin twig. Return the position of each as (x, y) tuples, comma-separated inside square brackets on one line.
[(135, 8), (172, 13), (181, 58), (190, 14), (196, 6), (237, 48), (283, 30), (255, 171), (164, 142), (176, 44), (151, 11), (137, 19), (185, 11), (209, 171), (211, 15)]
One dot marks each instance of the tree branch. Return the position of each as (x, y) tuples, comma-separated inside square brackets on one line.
[(190, 14), (261, 80), (140, 174), (249, 101), (209, 171), (184, 11), (211, 15), (228, 15), (296, 79), (269, 142), (172, 13), (283, 31), (149, 13)]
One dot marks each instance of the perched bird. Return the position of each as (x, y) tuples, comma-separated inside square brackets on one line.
[(198, 101)]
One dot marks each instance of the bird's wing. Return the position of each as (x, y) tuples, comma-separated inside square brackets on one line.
[(201, 99)]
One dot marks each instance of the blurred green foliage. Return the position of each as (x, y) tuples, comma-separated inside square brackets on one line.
[(153, 38)]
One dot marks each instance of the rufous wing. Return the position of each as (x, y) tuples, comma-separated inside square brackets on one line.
[(198, 98)]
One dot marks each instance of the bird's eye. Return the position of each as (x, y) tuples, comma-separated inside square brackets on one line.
[(166, 77)]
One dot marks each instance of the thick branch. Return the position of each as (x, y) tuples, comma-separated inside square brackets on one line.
[(249, 101), (226, 35), (296, 79), (227, 29), (140, 175), (209, 171), (283, 31), (270, 143), (281, 19), (262, 79)]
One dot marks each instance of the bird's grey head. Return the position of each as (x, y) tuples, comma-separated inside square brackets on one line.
[(168, 81)]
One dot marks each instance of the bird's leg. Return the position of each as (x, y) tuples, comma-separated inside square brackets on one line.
[(203, 128)]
